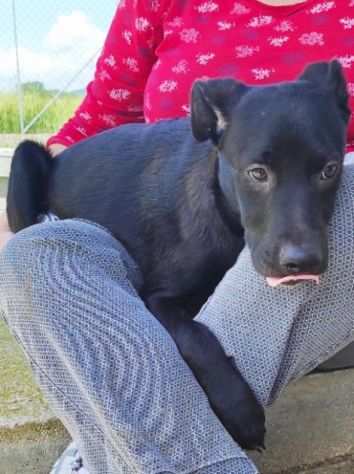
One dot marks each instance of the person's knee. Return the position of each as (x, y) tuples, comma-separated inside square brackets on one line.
[(18, 252), (38, 245), (50, 263), (25, 249), (23, 261), (39, 255)]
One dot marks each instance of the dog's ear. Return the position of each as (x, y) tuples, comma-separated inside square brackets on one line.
[(330, 75), (211, 105)]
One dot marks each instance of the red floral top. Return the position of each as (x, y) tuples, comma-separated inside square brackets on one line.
[(155, 49)]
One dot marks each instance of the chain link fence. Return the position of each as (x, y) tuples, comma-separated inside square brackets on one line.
[(48, 50)]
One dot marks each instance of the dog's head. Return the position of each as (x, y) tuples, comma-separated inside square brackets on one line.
[(281, 151)]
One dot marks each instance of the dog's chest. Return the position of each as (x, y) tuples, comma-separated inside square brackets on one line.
[(200, 277), (199, 266)]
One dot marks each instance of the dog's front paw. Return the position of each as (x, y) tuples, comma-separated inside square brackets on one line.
[(242, 415), (247, 424)]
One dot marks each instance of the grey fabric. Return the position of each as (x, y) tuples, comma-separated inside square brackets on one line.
[(278, 335), (114, 376), (344, 359), (104, 363)]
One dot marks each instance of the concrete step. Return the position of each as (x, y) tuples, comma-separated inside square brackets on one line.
[(311, 426), (11, 140), (337, 466), (31, 438), (5, 162), (32, 448)]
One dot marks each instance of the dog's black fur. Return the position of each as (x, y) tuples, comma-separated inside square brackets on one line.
[(255, 163)]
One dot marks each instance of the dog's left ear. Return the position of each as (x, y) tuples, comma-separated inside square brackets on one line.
[(330, 75), (211, 106)]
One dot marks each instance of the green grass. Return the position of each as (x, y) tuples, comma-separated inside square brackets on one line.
[(34, 101), (19, 394)]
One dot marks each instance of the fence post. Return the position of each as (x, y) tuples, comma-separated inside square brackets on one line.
[(18, 71)]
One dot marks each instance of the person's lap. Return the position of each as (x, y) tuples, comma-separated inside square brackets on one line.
[(274, 335), (106, 366), (343, 359)]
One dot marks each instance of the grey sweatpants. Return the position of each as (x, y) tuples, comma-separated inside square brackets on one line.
[(113, 375)]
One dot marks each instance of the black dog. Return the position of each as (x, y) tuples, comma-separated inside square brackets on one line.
[(255, 163)]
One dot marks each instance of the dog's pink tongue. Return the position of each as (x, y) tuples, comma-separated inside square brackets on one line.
[(278, 281)]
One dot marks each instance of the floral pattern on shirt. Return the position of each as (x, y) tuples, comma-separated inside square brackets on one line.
[(155, 49)]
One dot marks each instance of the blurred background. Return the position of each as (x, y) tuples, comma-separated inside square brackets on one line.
[(48, 50)]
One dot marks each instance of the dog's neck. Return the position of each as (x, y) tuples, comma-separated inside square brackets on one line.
[(226, 196)]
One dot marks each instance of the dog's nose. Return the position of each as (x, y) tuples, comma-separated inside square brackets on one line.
[(294, 259)]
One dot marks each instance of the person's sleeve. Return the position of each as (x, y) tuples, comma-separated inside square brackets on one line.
[(115, 95)]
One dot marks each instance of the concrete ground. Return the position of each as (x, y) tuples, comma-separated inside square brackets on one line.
[(310, 429), (31, 438)]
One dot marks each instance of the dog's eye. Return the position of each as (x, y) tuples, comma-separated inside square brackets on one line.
[(258, 174), (329, 171)]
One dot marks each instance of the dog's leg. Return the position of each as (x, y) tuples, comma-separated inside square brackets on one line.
[(229, 395)]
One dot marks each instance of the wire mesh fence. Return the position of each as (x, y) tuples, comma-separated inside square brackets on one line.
[(48, 50)]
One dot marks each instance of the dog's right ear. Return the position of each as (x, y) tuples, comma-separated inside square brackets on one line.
[(330, 75), (211, 107)]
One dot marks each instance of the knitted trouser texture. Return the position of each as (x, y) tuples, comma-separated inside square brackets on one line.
[(114, 376)]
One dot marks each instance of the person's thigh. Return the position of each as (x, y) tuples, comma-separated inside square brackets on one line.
[(345, 358), (106, 366), (275, 335)]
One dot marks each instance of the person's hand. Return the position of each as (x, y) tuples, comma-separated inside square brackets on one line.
[(56, 148), (5, 232)]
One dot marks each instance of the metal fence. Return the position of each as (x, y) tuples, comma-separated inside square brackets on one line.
[(49, 45)]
